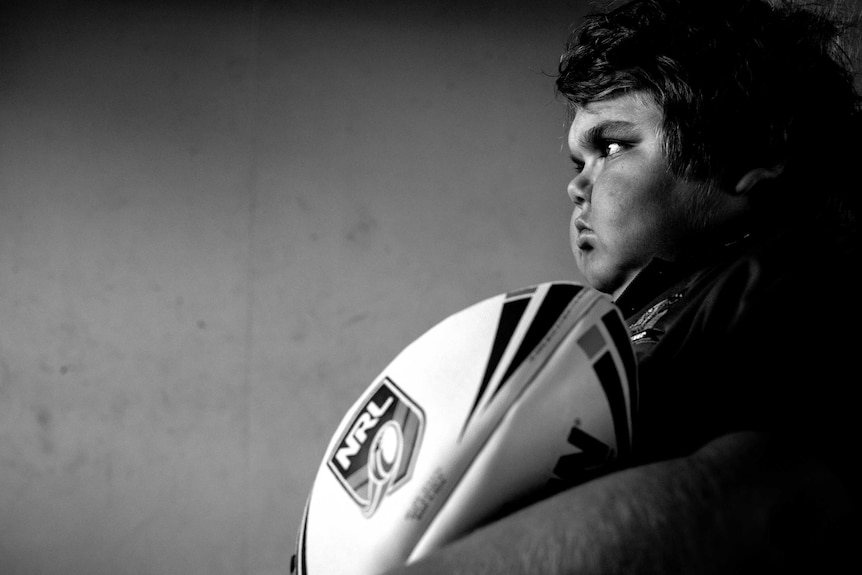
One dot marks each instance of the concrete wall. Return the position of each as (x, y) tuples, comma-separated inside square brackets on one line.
[(218, 222)]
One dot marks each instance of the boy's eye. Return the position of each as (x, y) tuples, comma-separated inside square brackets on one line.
[(599, 148), (612, 148)]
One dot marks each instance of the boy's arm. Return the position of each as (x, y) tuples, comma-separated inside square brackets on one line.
[(740, 503)]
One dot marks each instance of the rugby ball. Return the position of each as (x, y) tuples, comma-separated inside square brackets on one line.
[(509, 400)]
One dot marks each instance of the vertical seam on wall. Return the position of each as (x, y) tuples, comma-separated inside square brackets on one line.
[(250, 273)]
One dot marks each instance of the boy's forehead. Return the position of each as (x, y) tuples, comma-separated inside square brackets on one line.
[(633, 108)]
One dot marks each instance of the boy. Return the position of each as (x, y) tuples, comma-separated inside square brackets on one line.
[(713, 145)]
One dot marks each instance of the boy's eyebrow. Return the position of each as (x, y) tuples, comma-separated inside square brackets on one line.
[(604, 130)]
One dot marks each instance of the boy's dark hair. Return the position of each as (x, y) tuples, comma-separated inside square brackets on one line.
[(742, 83)]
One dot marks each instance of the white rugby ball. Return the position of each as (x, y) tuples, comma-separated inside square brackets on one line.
[(508, 400)]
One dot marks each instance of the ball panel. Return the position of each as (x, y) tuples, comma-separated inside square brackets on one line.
[(532, 448)]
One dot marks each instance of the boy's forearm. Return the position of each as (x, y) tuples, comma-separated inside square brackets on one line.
[(733, 506)]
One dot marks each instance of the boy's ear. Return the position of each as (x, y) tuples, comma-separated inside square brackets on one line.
[(753, 177)]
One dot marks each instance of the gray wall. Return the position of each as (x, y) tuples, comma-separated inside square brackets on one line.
[(218, 222)]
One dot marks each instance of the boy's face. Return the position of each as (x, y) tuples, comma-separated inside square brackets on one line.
[(629, 207)]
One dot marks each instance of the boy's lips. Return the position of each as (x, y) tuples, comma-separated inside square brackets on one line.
[(584, 239), (584, 235)]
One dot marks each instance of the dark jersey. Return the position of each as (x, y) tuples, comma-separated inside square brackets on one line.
[(746, 339)]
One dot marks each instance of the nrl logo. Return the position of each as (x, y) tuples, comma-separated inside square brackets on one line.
[(376, 452)]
